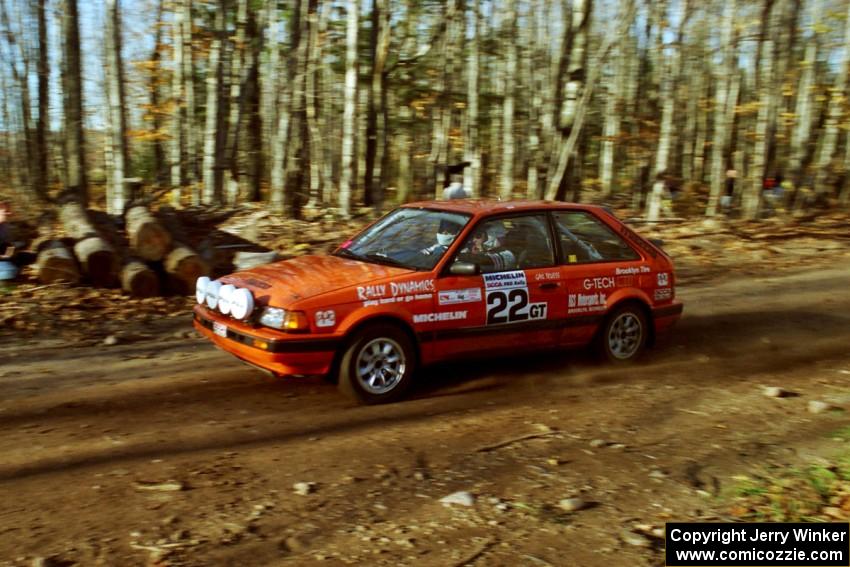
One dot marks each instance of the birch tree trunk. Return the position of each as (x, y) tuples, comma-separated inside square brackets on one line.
[(767, 87), (117, 114), (270, 74), (255, 126), (723, 104), (574, 61), (189, 137), (442, 111), (380, 44), (161, 168), (214, 130), (280, 134), (41, 153), (611, 128), (507, 175), (311, 98), (472, 150), (75, 161), (178, 95), (239, 64), (535, 46), (325, 107), (580, 109), (350, 107), (405, 179), (837, 98), (801, 133)]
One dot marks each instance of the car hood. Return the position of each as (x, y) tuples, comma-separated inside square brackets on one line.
[(282, 283)]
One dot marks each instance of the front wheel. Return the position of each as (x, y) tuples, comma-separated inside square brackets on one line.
[(378, 365), (623, 336)]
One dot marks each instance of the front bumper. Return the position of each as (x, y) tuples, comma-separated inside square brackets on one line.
[(266, 349)]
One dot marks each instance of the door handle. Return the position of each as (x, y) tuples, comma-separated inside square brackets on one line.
[(550, 285)]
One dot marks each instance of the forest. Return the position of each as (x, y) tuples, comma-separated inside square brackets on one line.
[(721, 106)]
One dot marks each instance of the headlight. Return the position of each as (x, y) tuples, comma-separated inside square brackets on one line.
[(284, 320), (241, 303), (224, 298), (213, 289), (273, 317), (201, 289)]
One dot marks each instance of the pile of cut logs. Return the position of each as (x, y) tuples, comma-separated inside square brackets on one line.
[(145, 259)]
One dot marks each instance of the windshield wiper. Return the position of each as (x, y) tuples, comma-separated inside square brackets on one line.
[(381, 258), (348, 254)]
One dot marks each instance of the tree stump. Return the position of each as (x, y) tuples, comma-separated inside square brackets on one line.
[(138, 279), (148, 238), (184, 267), (55, 263)]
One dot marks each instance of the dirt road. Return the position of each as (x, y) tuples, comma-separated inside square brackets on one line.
[(168, 452)]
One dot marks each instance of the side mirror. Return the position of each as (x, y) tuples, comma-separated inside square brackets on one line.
[(465, 269)]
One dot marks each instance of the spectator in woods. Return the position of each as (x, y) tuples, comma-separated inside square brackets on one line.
[(8, 267)]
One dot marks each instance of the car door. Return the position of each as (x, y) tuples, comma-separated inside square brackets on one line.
[(516, 300), (595, 264)]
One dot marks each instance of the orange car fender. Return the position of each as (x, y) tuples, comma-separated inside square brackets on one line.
[(629, 294)]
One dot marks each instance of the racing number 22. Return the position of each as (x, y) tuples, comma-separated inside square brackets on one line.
[(511, 306)]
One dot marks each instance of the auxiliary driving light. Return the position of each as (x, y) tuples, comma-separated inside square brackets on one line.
[(201, 289), (224, 298), (241, 303), (213, 289)]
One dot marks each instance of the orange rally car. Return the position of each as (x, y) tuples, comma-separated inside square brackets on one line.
[(437, 280)]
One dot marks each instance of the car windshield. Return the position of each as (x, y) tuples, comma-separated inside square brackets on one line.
[(409, 238)]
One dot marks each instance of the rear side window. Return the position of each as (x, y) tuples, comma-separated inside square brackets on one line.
[(584, 238)]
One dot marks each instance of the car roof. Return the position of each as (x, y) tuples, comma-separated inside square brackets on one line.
[(489, 206)]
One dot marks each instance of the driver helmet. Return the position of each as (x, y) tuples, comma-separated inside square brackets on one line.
[(447, 232), (495, 237)]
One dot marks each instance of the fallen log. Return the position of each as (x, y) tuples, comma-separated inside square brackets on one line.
[(55, 263), (148, 238), (96, 256), (184, 266), (138, 279)]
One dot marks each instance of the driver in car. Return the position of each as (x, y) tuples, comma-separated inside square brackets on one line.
[(486, 248), (446, 234)]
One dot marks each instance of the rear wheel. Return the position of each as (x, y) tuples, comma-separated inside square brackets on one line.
[(623, 336), (378, 365)]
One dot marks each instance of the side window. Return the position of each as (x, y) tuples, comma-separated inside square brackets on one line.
[(585, 238), (513, 243)]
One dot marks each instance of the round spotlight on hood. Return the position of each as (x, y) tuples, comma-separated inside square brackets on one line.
[(241, 303), (213, 289), (224, 295), (201, 289)]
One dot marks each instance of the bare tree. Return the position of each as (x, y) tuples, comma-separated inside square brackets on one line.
[(75, 161), (215, 132), (837, 98), (350, 104), (41, 154), (724, 107), (116, 193), (472, 149), (506, 183)]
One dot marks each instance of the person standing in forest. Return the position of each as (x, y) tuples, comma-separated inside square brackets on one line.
[(8, 269)]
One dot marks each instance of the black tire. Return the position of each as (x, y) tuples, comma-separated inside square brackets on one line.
[(623, 336), (361, 378)]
